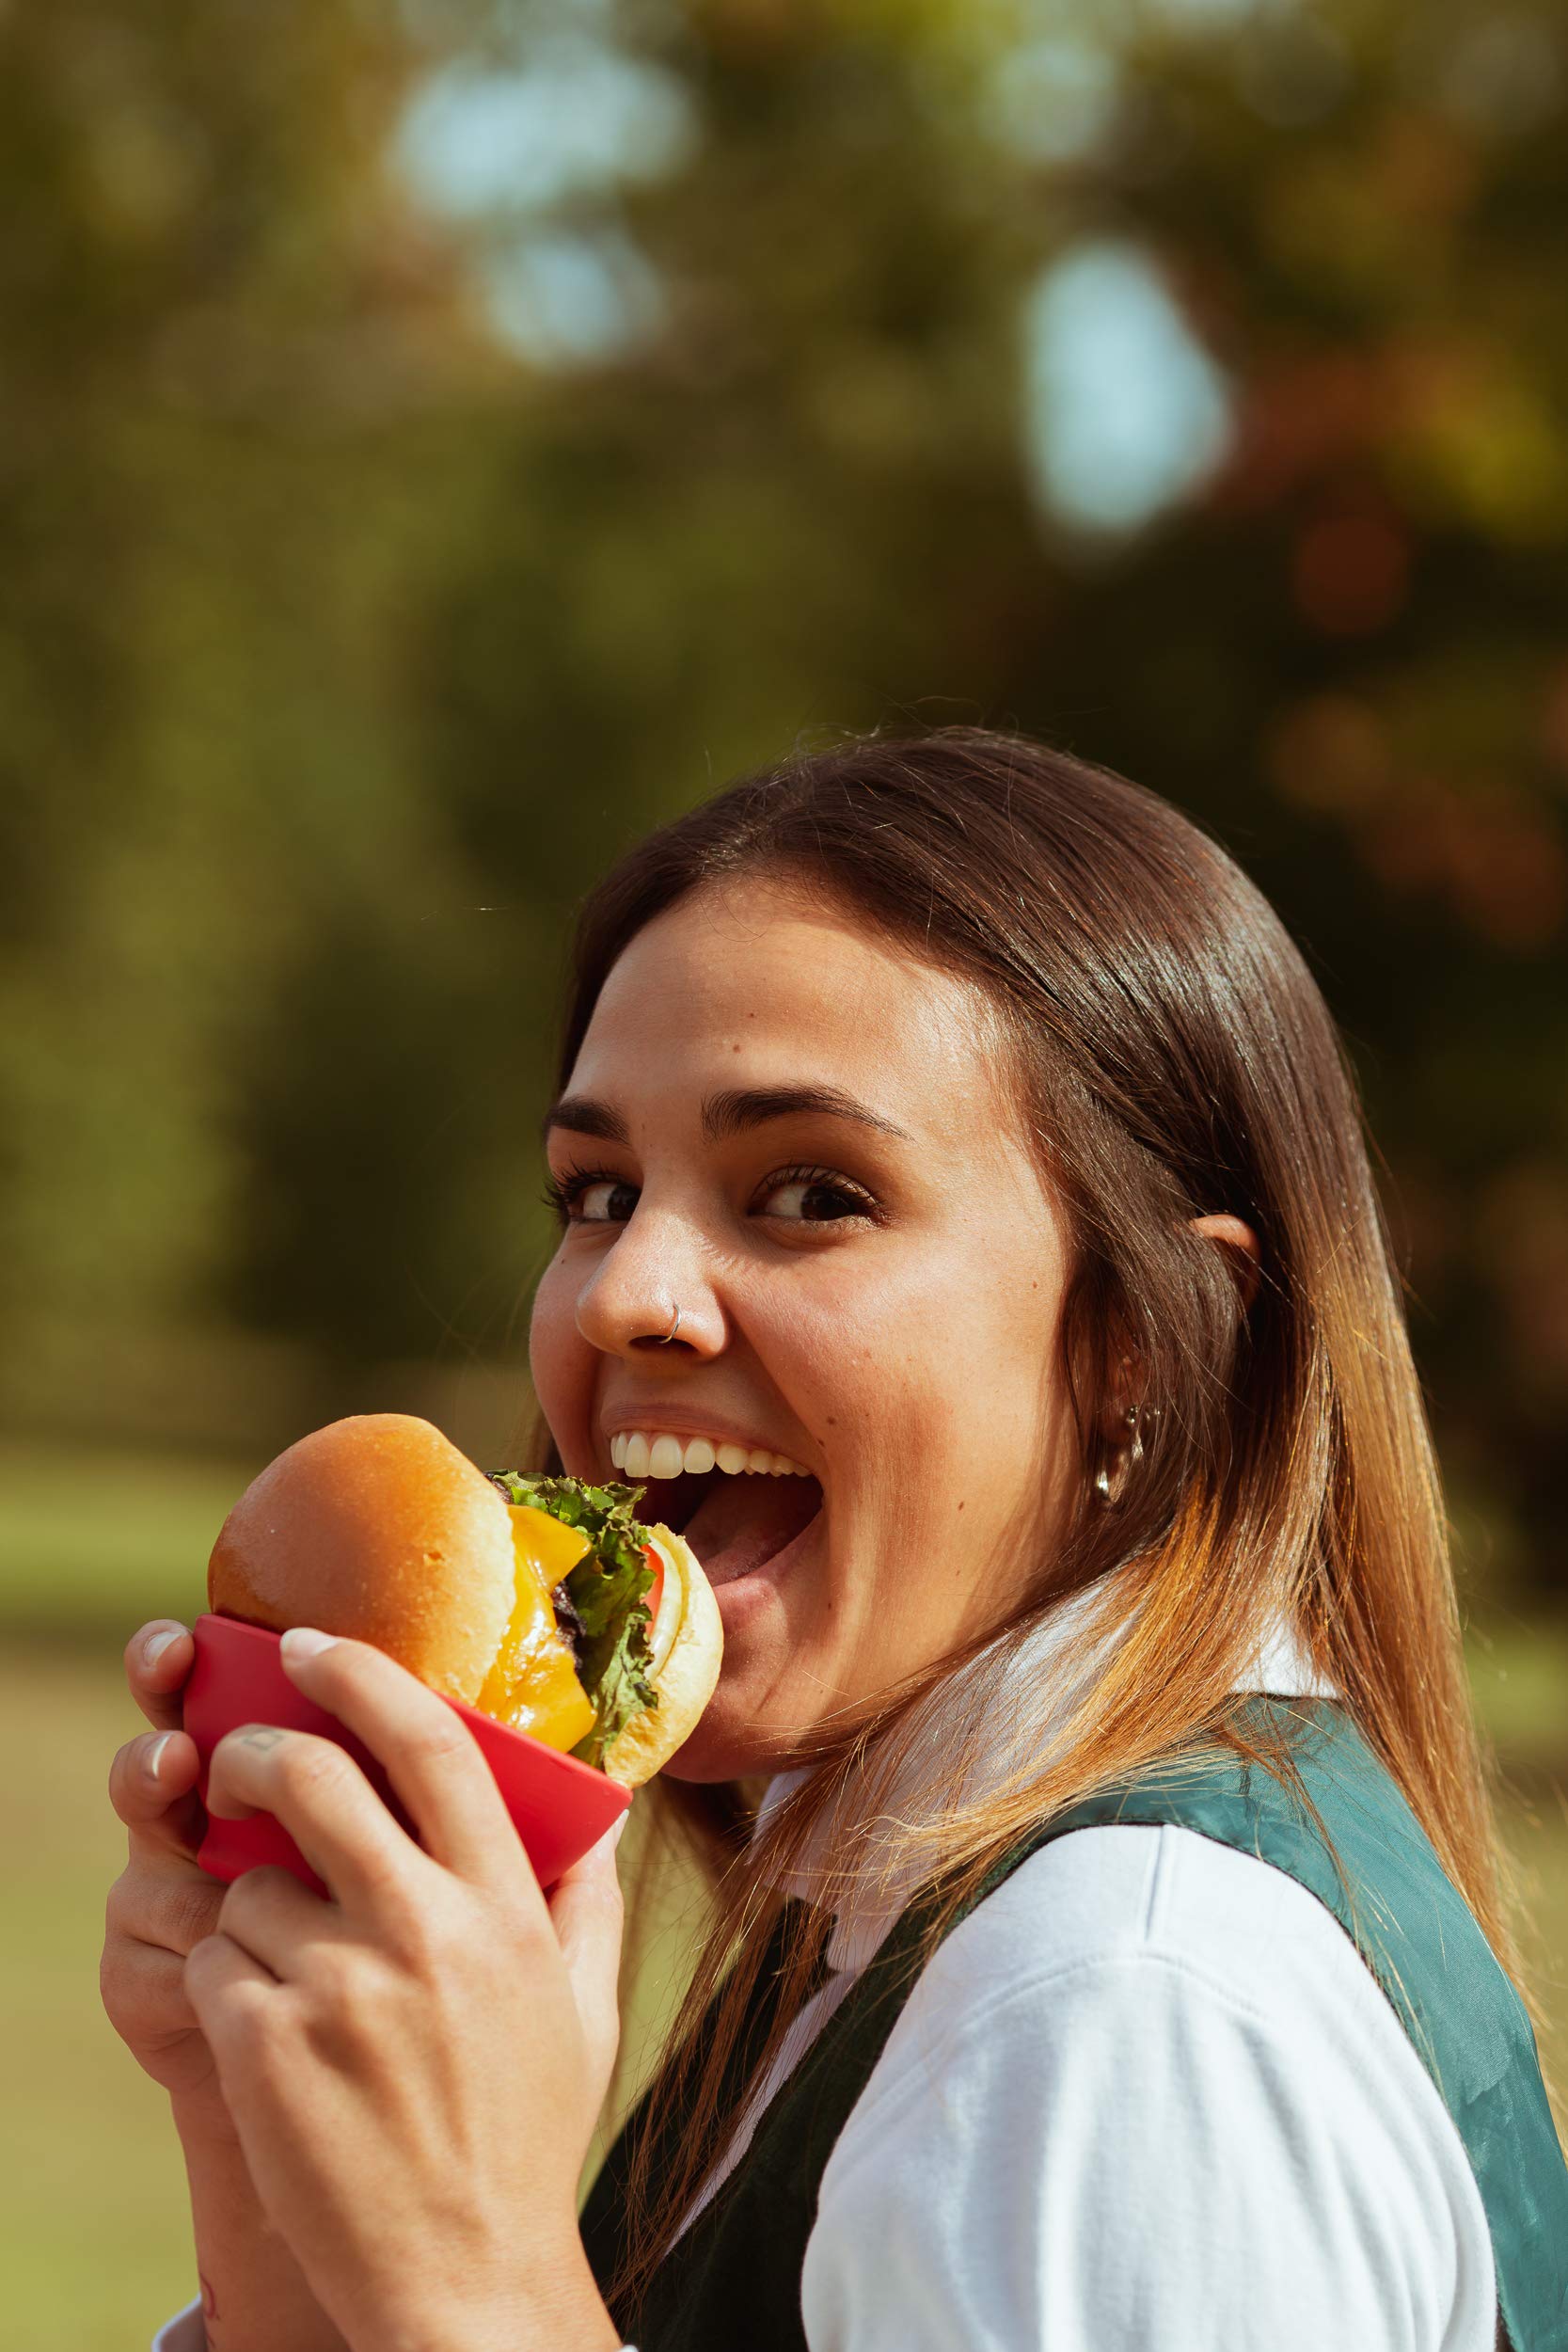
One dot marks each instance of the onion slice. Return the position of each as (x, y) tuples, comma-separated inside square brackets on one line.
[(672, 1602)]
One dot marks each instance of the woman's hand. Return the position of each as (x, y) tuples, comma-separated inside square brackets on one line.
[(414, 2066), (163, 1903), (160, 1908)]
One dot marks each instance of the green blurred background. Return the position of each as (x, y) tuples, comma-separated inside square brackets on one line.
[(440, 440)]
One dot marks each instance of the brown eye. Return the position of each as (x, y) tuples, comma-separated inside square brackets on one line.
[(590, 1195), (812, 1196), (610, 1201)]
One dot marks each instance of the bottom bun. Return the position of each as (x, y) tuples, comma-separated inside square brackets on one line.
[(686, 1679)]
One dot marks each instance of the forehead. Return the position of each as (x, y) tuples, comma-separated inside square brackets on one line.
[(749, 983)]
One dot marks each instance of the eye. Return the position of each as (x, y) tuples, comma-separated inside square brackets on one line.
[(590, 1195), (813, 1195), (610, 1201)]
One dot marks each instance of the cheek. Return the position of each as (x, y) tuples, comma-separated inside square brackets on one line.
[(934, 1404), (560, 1361), (928, 1354)]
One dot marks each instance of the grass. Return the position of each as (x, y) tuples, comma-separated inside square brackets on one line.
[(94, 2247), (91, 1545), (94, 2237)]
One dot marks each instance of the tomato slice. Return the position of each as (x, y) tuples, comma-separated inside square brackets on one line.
[(655, 1559)]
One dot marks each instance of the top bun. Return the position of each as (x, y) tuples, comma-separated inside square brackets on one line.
[(378, 1529)]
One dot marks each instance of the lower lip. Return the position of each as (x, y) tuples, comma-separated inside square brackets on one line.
[(740, 1595)]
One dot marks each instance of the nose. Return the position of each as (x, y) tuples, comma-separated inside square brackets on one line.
[(628, 1306)]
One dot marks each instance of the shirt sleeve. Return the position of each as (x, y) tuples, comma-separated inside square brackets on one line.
[(185, 2332), (1150, 2137)]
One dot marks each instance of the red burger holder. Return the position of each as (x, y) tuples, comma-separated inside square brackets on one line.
[(560, 1807)]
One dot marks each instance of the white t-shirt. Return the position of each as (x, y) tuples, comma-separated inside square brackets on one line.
[(1147, 2097)]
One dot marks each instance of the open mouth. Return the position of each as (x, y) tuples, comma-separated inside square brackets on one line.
[(735, 1524)]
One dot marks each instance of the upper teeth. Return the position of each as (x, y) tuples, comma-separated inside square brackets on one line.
[(654, 1454)]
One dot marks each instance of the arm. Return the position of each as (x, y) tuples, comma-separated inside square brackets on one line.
[(245, 2268), (254, 2295)]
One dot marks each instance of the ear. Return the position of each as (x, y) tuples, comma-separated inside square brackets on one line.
[(1239, 1245)]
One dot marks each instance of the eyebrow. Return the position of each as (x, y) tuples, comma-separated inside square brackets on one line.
[(730, 1113)]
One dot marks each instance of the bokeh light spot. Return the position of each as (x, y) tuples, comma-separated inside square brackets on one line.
[(477, 141), (564, 298), (1126, 411)]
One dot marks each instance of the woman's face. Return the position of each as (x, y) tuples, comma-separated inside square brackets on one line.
[(796, 1132)]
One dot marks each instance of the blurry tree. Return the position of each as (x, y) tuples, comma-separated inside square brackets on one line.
[(442, 441), (227, 344)]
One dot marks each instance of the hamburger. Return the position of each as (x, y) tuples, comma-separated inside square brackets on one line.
[(542, 1602)]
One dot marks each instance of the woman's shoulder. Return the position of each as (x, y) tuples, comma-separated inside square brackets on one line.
[(1152, 1970), (1108, 1914), (1144, 2038), (1128, 1901)]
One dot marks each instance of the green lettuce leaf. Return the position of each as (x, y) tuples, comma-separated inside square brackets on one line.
[(607, 1591)]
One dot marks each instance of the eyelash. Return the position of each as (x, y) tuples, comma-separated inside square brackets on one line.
[(561, 1193)]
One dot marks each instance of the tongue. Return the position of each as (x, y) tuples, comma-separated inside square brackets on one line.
[(742, 1521)]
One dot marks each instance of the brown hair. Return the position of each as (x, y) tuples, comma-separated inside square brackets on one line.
[(1173, 1058)]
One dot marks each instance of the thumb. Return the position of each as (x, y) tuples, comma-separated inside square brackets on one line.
[(588, 1915)]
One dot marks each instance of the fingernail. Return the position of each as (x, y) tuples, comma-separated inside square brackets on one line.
[(155, 1644), (619, 1830), (303, 1641), (156, 1753)]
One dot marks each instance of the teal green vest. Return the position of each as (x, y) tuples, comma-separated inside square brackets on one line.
[(734, 2276)]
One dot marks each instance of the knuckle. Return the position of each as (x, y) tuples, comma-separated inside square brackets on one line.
[(335, 1972), (114, 1976), (384, 1881), (132, 1904), (344, 2001), (196, 1967), (429, 1935), (245, 2025), (311, 1767), (517, 1919), (249, 1901), (225, 2006), (443, 1736), (142, 1990), (346, 2008), (236, 1906), (191, 1909), (119, 1906), (172, 1909)]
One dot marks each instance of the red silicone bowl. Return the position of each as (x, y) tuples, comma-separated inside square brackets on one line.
[(559, 1807)]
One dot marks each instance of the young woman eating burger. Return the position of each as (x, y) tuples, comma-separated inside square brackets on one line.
[(1117, 1956)]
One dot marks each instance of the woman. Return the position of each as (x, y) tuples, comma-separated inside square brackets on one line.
[(1116, 1957)]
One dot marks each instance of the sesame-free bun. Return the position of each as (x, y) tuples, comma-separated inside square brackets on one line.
[(688, 1651), (378, 1529)]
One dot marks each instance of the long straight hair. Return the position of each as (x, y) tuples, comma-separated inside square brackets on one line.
[(1171, 1057)]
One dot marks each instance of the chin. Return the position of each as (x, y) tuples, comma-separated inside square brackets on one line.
[(726, 1745)]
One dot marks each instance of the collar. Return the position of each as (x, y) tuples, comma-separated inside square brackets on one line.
[(1049, 1661)]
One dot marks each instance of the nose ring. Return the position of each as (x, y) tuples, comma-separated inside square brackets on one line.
[(673, 1328)]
